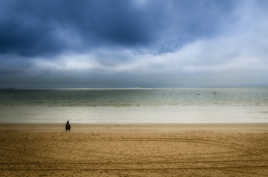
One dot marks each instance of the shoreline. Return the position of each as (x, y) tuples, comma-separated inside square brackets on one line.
[(180, 127)]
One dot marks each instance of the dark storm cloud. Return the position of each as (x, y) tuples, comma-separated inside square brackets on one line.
[(34, 28), (133, 43)]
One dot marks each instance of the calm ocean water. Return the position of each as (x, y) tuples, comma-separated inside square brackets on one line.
[(135, 105), (135, 97)]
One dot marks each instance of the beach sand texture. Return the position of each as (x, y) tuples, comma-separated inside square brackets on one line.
[(134, 150)]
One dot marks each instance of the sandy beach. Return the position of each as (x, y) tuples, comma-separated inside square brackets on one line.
[(134, 150)]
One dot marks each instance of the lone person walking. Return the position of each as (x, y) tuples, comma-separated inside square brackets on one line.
[(68, 126)]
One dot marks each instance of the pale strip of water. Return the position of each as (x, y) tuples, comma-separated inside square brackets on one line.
[(145, 114), (240, 105)]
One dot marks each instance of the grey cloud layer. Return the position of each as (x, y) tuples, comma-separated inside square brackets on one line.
[(49, 27), (133, 43)]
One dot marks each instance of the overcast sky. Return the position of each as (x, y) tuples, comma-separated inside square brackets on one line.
[(133, 43)]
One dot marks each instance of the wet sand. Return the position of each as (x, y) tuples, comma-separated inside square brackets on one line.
[(134, 150)]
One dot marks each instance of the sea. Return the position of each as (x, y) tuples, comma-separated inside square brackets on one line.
[(135, 105)]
